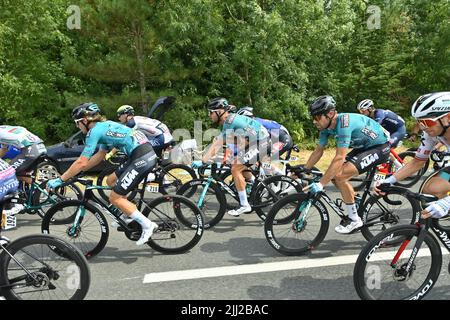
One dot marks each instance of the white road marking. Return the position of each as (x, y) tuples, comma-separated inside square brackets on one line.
[(267, 267)]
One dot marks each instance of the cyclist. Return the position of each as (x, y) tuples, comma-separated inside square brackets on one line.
[(108, 134), (370, 148), (157, 132), (251, 139), (30, 146), (279, 135), (8, 180), (389, 120), (432, 112)]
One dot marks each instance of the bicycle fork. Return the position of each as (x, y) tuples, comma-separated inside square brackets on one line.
[(405, 270), (74, 229)]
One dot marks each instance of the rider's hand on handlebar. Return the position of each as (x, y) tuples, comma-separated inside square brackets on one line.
[(437, 209), (391, 180), (54, 183), (196, 164), (313, 188)]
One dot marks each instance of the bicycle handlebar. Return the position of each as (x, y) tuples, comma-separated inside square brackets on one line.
[(387, 188)]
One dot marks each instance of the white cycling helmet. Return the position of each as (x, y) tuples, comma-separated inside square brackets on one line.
[(431, 105), (366, 104), (246, 111)]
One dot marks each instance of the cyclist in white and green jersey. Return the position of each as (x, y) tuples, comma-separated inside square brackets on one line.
[(30, 145), (253, 143), (370, 148)]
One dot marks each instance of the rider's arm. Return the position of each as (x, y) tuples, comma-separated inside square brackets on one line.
[(409, 169), (314, 157), (335, 165), (82, 164), (215, 147)]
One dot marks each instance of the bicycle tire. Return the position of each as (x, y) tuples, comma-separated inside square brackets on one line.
[(386, 209), (78, 278), (371, 250), (93, 222), (171, 228), (211, 217), (257, 196), (277, 232)]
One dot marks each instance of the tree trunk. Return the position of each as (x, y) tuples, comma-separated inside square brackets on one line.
[(139, 47)]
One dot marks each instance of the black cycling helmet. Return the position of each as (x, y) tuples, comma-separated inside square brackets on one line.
[(218, 103), (322, 105), (88, 109)]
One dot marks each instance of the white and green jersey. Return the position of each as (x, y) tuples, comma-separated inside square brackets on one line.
[(18, 137)]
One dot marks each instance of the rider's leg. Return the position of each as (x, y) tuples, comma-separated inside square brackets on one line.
[(438, 185), (341, 180)]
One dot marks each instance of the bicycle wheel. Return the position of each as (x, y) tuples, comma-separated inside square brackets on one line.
[(91, 232), (174, 235), (213, 204), (69, 192), (379, 213), (104, 193), (376, 277), (408, 182), (292, 230), (43, 267), (269, 191), (173, 176)]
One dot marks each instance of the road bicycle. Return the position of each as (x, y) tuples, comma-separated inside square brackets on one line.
[(82, 222), (167, 177), (35, 198), (391, 167), (299, 222), (402, 262), (209, 193), (41, 267)]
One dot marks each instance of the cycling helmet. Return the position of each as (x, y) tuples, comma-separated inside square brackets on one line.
[(218, 103), (366, 104), (125, 109), (88, 109), (246, 111), (322, 105), (431, 105)]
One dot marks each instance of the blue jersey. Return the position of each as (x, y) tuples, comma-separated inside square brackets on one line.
[(389, 120), (110, 134), (354, 131), (239, 125)]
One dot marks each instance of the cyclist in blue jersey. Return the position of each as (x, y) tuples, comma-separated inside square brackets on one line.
[(279, 135), (370, 148), (108, 135), (252, 142), (389, 120)]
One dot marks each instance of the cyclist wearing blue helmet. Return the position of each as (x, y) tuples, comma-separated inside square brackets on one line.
[(108, 135)]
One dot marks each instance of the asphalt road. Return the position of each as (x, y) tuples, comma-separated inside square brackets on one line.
[(232, 261)]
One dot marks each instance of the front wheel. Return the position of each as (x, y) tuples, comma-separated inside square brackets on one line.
[(180, 223), (380, 271), (296, 224), (43, 267), (89, 233)]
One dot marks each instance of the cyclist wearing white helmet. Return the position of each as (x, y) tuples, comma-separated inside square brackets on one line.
[(389, 120), (157, 132), (432, 112)]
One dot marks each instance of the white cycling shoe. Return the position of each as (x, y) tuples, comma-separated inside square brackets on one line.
[(349, 227), (146, 234), (237, 212)]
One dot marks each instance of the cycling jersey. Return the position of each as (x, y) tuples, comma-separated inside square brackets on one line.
[(18, 137), (8, 180), (354, 131), (427, 145), (151, 127), (110, 134), (389, 120), (239, 125)]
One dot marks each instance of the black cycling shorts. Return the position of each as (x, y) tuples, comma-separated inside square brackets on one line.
[(281, 144), (135, 169), (366, 159)]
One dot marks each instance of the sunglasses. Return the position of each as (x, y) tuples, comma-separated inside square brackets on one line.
[(317, 117), (78, 121), (428, 123)]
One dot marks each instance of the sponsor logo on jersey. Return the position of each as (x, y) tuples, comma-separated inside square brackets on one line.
[(369, 133), (345, 121), (368, 160), (113, 134)]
